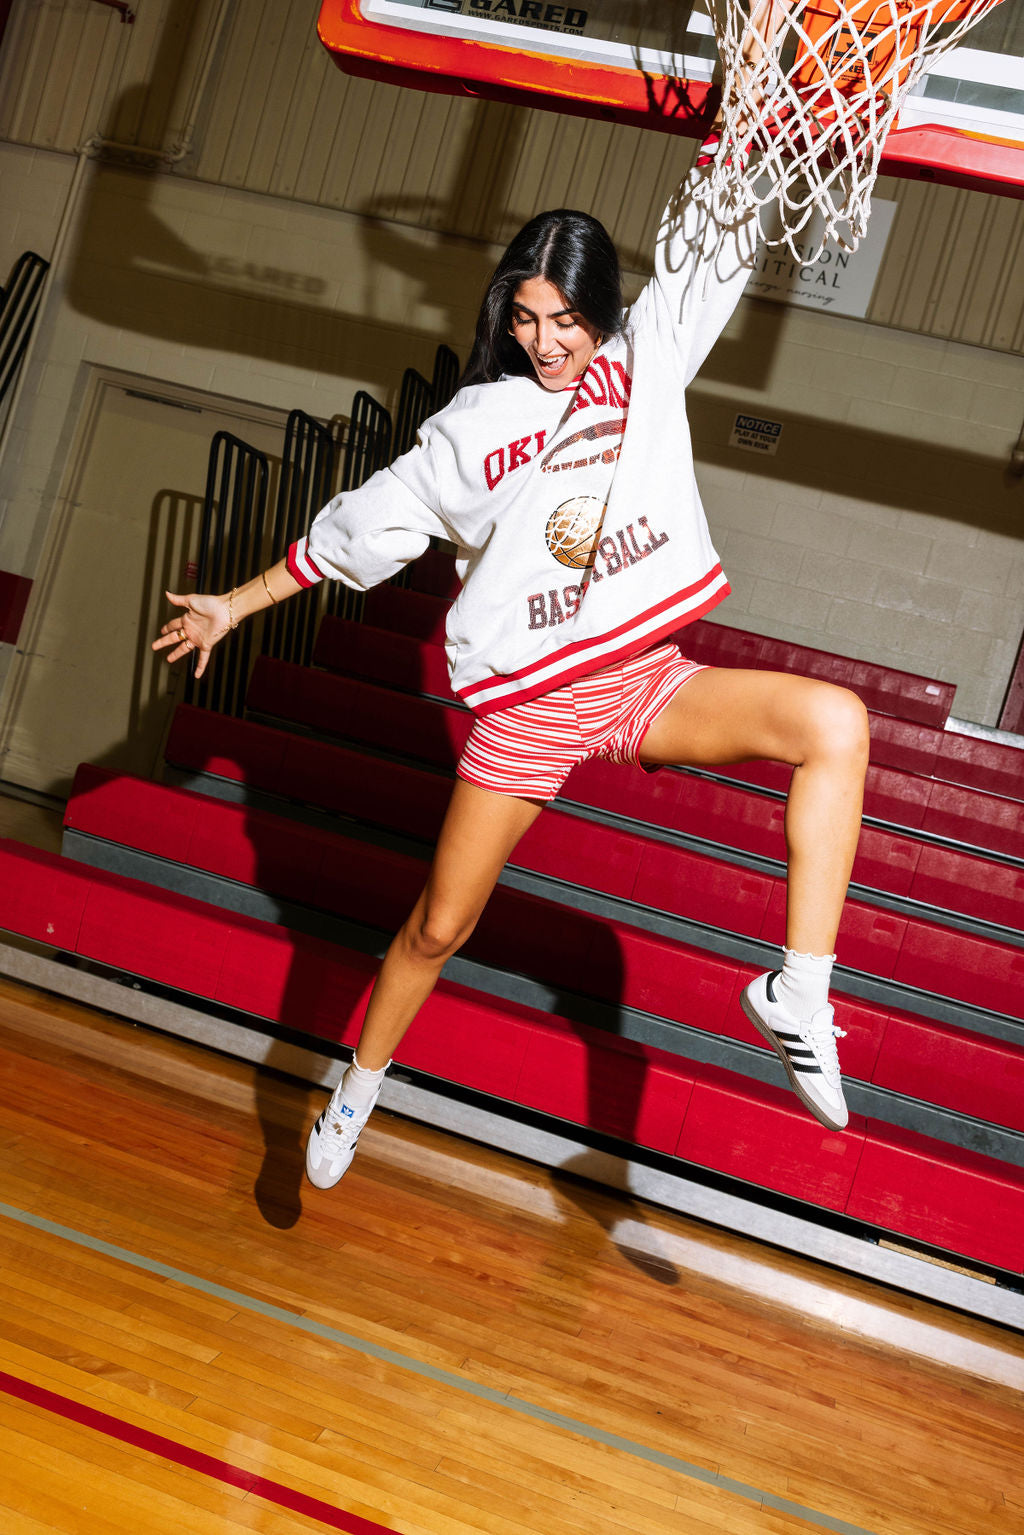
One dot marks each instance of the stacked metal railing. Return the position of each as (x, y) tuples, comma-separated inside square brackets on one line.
[(236, 539), (19, 301)]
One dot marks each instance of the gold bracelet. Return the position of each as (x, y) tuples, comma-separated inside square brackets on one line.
[(267, 587), (232, 620)]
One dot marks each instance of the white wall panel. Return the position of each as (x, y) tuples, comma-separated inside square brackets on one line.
[(71, 70), (280, 118), (56, 72), (953, 267)]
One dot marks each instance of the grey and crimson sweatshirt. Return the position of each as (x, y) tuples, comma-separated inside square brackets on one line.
[(575, 513)]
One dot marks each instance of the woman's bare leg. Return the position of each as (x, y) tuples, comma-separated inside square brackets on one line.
[(479, 833), (723, 715)]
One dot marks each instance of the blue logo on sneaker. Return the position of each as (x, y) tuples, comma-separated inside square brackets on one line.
[(346, 1110)]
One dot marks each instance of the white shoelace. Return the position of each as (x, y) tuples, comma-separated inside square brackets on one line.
[(822, 1033), (340, 1130)]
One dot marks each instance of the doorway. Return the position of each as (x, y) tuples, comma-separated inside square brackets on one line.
[(85, 686)]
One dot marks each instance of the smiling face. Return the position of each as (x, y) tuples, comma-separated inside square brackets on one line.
[(558, 341)]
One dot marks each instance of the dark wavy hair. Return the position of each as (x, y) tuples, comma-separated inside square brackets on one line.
[(573, 252)]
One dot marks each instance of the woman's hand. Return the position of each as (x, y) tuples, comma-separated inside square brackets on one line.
[(205, 621)]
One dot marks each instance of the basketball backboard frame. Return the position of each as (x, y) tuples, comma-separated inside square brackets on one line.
[(539, 58)]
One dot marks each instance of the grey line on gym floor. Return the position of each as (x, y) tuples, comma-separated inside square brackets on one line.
[(766, 1500)]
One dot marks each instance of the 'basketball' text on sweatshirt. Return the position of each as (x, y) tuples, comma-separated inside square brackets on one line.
[(578, 525)]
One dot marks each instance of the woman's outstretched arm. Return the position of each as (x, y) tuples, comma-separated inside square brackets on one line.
[(206, 619)]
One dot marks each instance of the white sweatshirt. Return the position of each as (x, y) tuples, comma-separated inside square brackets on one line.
[(580, 533)]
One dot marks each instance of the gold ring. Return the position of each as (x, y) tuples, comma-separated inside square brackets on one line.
[(182, 635), (189, 645)]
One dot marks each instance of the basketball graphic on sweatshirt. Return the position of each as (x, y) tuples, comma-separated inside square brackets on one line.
[(573, 529)]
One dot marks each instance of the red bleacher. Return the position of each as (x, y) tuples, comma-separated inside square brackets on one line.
[(939, 1194), (691, 804), (884, 689), (979, 971), (665, 853), (358, 880), (908, 743)]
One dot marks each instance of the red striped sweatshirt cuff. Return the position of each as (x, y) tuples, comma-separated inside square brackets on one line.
[(302, 565)]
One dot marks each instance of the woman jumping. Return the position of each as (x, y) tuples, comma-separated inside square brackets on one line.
[(563, 473)]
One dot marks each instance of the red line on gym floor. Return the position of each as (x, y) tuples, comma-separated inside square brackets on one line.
[(195, 1460)]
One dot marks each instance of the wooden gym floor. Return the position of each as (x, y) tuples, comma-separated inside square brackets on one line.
[(450, 1342)]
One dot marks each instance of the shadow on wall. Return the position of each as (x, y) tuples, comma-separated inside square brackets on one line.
[(133, 270)]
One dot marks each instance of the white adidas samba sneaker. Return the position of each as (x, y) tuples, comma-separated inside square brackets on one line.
[(333, 1139), (807, 1049)]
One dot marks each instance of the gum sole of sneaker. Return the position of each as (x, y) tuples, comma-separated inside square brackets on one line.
[(768, 1033)]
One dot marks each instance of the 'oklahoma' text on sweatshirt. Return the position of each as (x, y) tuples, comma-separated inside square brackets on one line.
[(578, 525)]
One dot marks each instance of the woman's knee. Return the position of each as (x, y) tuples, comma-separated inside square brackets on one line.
[(839, 724), (435, 935)]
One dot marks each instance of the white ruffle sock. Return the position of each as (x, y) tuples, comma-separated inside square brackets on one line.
[(802, 984), (359, 1087)]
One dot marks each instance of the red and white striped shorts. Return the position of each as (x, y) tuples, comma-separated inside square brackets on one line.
[(529, 749)]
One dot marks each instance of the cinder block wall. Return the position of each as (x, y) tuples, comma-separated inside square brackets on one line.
[(883, 528), (886, 526)]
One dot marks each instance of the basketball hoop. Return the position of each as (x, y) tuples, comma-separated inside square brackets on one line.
[(811, 89)]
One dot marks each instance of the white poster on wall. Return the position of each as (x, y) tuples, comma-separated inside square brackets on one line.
[(839, 281)]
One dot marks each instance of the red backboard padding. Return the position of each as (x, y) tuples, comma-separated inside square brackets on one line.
[(427, 57)]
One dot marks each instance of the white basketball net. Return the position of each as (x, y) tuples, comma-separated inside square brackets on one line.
[(806, 108)]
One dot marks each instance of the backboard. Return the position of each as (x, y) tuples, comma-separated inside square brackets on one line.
[(654, 62)]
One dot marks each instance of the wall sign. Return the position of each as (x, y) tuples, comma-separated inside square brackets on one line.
[(840, 282), (756, 434)]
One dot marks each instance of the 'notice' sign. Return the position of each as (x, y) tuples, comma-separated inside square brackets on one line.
[(755, 434)]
